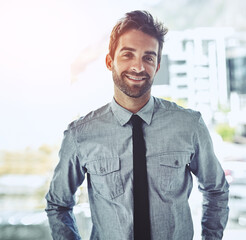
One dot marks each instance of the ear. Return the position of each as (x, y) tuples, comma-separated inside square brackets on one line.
[(158, 67), (109, 62)]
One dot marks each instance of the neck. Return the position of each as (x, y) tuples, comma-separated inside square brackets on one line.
[(131, 104)]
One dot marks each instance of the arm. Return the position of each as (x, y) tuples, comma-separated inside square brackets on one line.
[(212, 184), (68, 176)]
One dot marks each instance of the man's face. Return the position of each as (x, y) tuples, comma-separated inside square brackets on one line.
[(135, 63)]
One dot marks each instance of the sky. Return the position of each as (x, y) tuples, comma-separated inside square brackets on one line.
[(40, 42)]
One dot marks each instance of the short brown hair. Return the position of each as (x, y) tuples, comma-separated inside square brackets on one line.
[(139, 20)]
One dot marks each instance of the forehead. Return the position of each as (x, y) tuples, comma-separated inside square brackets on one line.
[(138, 40)]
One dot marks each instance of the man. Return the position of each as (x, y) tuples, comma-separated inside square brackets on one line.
[(101, 144)]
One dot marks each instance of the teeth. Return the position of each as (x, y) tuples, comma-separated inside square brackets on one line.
[(135, 78)]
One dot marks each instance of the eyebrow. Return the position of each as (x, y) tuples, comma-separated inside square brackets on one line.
[(151, 53), (134, 50)]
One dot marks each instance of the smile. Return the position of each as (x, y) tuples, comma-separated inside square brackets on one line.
[(135, 78)]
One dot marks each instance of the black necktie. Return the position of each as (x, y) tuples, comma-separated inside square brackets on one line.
[(140, 183)]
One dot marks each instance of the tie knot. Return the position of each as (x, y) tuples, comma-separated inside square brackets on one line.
[(136, 120)]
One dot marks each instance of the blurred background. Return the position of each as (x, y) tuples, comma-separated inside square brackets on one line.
[(52, 70)]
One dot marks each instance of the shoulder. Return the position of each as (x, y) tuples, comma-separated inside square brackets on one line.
[(163, 106), (91, 117)]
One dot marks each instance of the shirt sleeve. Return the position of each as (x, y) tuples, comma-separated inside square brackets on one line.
[(68, 176), (212, 184)]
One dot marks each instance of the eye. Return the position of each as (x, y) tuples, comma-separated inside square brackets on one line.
[(149, 58), (127, 55)]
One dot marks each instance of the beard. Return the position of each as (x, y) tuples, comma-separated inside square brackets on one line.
[(131, 90)]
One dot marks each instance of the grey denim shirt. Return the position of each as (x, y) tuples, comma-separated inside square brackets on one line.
[(99, 145)]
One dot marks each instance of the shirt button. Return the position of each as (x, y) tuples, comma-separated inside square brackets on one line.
[(102, 170), (176, 162)]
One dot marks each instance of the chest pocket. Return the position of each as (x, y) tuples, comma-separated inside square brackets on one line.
[(173, 170), (105, 177)]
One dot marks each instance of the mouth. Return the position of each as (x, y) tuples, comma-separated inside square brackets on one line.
[(135, 78)]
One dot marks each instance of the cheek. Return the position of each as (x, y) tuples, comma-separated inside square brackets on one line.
[(151, 70), (122, 66)]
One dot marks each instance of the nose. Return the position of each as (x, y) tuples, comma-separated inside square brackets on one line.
[(138, 66)]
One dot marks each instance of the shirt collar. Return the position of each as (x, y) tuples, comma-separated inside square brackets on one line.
[(123, 115)]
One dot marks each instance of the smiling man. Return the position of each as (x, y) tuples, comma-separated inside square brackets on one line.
[(138, 153), (134, 65)]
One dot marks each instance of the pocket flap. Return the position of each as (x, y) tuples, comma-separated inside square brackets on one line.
[(175, 160), (103, 166)]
